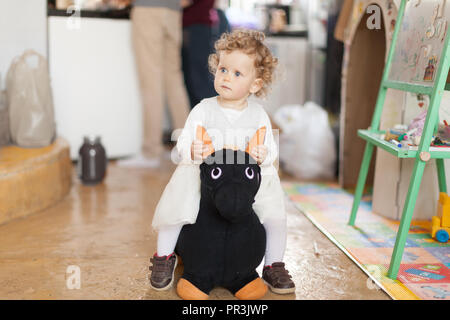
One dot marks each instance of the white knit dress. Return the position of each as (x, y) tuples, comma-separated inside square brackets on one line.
[(180, 201)]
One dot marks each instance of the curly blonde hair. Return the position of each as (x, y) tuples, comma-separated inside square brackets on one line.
[(250, 42)]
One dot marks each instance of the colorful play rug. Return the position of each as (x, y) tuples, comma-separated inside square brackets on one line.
[(425, 269)]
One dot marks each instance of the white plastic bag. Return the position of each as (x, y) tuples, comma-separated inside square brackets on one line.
[(307, 146), (30, 102), (4, 118)]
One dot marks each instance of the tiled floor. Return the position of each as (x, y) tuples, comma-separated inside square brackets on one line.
[(104, 231)]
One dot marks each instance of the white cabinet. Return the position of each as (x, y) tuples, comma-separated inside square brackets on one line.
[(95, 84), (289, 86)]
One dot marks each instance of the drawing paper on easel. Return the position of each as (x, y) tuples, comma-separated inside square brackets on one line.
[(420, 42)]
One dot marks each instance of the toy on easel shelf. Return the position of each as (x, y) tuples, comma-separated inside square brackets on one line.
[(437, 142), (440, 224), (404, 137), (417, 123), (399, 135), (444, 131), (442, 138)]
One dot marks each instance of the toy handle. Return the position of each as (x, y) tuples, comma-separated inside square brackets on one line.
[(257, 139), (203, 136)]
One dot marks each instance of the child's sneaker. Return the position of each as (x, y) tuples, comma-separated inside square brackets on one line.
[(278, 278), (162, 271)]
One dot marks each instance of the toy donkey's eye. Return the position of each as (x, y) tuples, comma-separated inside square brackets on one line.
[(216, 173), (249, 173)]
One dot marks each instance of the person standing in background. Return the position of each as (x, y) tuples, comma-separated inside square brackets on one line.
[(157, 39), (203, 25)]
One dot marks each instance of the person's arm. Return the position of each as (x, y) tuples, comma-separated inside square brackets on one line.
[(185, 3)]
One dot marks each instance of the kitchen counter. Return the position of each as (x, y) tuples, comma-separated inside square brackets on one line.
[(296, 34), (125, 14), (107, 14)]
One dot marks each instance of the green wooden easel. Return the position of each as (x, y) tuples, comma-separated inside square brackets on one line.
[(434, 89)]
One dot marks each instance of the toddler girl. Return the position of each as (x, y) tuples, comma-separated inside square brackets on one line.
[(242, 66)]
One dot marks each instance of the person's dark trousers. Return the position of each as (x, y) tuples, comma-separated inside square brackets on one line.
[(335, 53), (222, 26), (198, 44)]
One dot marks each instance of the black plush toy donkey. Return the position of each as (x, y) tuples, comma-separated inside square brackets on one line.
[(227, 242)]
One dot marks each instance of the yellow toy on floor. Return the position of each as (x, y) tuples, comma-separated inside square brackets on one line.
[(440, 224)]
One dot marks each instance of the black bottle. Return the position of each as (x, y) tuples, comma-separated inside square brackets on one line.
[(92, 161)]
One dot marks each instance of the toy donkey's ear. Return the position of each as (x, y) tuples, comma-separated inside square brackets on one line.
[(257, 139), (202, 135)]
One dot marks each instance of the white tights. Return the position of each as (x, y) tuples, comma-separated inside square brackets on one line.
[(276, 232)]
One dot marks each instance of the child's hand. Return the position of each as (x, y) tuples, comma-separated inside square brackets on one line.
[(197, 150), (185, 3), (259, 153)]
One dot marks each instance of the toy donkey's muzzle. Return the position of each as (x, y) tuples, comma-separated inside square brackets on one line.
[(234, 201)]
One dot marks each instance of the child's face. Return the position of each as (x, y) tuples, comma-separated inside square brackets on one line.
[(236, 78)]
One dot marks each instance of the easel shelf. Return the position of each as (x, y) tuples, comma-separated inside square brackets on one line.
[(411, 152)]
